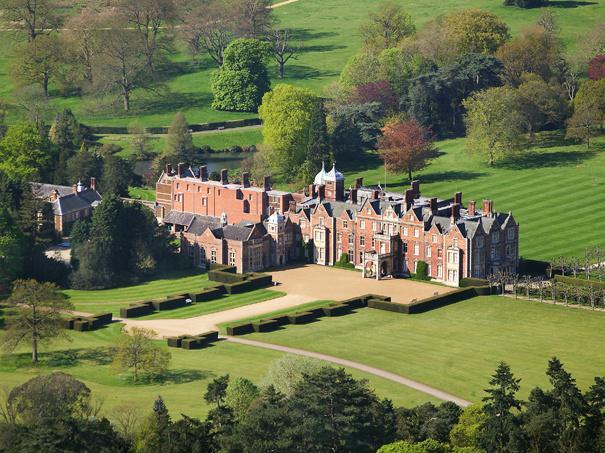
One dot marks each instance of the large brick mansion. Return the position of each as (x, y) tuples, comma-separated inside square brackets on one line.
[(383, 233)]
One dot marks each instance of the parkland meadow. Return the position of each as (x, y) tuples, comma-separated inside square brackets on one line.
[(88, 357), (457, 348)]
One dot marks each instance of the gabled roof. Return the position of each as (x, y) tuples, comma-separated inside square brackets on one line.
[(76, 202)]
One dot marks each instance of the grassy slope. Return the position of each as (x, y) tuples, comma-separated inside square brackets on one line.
[(89, 357), (329, 28), (558, 184), (458, 347)]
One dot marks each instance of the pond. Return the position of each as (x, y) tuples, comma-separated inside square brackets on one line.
[(215, 161)]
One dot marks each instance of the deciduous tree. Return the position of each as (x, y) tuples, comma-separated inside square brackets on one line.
[(596, 67), (243, 79), (286, 113), (35, 17), (12, 250), (387, 27), (23, 152), (179, 142), (493, 124), (405, 146), (240, 394), (254, 18), (282, 48), (583, 124), (136, 351), (476, 31), (38, 308)]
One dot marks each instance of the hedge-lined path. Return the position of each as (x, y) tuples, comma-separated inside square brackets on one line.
[(358, 366), (200, 324)]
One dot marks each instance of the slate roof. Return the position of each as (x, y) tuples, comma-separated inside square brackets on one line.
[(76, 202), (45, 190)]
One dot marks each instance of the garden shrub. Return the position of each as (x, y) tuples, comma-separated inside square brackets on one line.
[(240, 329), (579, 282), (281, 320), (356, 302), (336, 310), (238, 288), (81, 326), (134, 311), (225, 277), (210, 336), (266, 325), (301, 318), (170, 304), (343, 262), (422, 271), (208, 294), (382, 304)]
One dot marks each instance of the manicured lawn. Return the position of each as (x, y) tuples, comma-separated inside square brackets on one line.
[(112, 299), (142, 193), (226, 302), (458, 347), (298, 309), (551, 189), (88, 357)]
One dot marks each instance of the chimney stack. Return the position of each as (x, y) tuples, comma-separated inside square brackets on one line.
[(246, 179), (267, 183), (458, 198), (375, 195), (168, 169), (408, 198), (321, 193), (180, 169), (204, 173), (471, 210), (433, 205), (292, 206), (93, 183), (353, 195), (74, 189), (488, 208), (416, 188), (358, 182), (312, 192), (224, 176), (455, 212)]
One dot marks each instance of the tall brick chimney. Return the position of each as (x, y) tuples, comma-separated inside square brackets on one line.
[(408, 197), (312, 191), (93, 183), (416, 188), (353, 195), (433, 205), (224, 176), (204, 173), (321, 193), (358, 182), (246, 179), (168, 169), (488, 208), (267, 183), (455, 212), (375, 195), (180, 169), (471, 210), (74, 189), (458, 198), (292, 206)]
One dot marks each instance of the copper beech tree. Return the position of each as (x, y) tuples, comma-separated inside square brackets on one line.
[(405, 146)]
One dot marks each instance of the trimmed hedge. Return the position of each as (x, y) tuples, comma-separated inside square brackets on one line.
[(304, 317), (241, 329), (381, 304), (225, 277), (239, 287), (260, 280), (466, 282), (281, 320), (336, 310), (579, 282), (266, 325), (191, 343), (356, 302), (82, 324), (175, 342), (170, 304), (134, 311), (208, 294)]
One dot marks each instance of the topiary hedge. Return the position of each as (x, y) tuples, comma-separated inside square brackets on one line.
[(85, 324), (225, 277), (241, 329), (337, 310), (467, 282), (266, 325), (579, 282), (382, 304), (304, 317), (135, 311), (171, 303), (208, 294)]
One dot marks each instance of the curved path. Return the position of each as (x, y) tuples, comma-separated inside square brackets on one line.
[(358, 366)]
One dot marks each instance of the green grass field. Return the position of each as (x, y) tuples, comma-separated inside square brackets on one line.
[(88, 357), (458, 347), (328, 30), (111, 300), (555, 184)]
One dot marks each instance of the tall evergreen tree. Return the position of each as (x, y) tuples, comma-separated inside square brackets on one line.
[(501, 430), (318, 146)]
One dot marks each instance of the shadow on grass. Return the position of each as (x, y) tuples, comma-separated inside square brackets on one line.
[(293, 71), (62, 359), (569, 4), (530, 159), (452, 175), (181, 376)]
